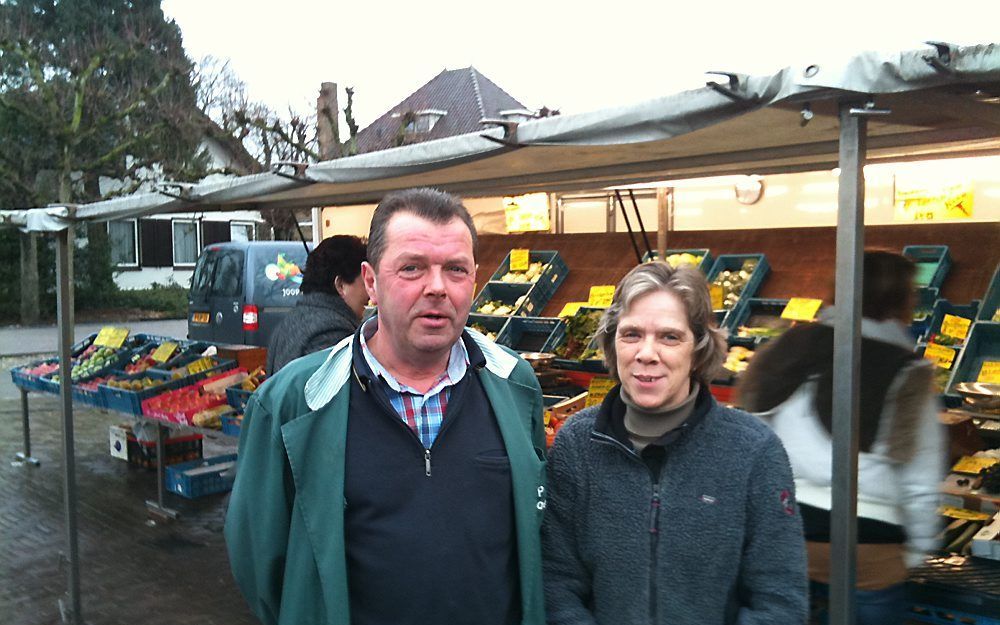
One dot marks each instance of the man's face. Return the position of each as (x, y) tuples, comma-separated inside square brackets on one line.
[(423, 286)]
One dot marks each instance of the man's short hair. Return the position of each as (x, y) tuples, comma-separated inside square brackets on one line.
[(691, 288), (338, 256), (430, 204)]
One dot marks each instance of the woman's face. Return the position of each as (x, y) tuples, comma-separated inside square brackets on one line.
[(354, 294), (654, 346)]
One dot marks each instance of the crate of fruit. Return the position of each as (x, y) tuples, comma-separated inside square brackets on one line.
[(989, 310), (546, 271), (29, 377), (756, 320), (699, 257), (238, 395), (979, 361), (944, 360), (489, 326), (948, 330), (180, 405), (737, 276), (504, 300), (532, 334), (932, 261), (201, 477), (125, 393)]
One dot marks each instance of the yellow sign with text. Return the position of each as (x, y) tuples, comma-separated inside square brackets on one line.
[(570, 309), (973, 464), (519, 259), (601, 296), (939, 355), (598, 390), (111, 337), (955, 327), (990, 373), (801, 309), (922, 201), (164, 351)]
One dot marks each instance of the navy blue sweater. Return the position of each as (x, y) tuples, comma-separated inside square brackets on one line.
[(437, 548)]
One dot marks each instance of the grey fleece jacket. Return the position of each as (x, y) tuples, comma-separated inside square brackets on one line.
[(717, 541), (318, 320)]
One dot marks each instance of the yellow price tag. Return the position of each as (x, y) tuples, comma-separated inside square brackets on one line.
[(164, 351), (801, 309), (990, 373), (599, 388), (717, 294), (956, 327), (519, 260), (961, 513), (570, 309), (940, 356), (111, 337), (202, 364), (973, 464), (601, 296)]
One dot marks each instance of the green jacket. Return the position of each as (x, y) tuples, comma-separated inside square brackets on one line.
[(285, 523)]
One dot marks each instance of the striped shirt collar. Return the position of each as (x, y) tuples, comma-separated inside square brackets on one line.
[(458, 362)]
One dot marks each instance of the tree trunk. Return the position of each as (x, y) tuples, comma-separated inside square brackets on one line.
[(29, 278), (327, 131)]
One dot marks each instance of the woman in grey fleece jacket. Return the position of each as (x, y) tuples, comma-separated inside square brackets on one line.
[(663, 506)]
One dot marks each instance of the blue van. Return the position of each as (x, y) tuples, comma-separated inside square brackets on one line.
[(242, 290)]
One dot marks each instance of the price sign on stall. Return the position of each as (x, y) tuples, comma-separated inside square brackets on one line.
[(164, 351), (601, 296), (801, 309), (990, 373), (519, 259), (570, 309), (716, 293), (973, 464), (939, 355), (599, 388), (956, 327), (111, 337)]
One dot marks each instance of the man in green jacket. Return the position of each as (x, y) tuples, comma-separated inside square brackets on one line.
[(397, 477)]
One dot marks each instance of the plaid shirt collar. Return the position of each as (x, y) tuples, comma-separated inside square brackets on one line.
[(458, 363)]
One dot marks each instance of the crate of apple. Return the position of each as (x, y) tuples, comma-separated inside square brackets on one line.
[(92, 362)]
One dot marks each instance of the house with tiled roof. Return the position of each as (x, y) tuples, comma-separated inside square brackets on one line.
[(452, 103)]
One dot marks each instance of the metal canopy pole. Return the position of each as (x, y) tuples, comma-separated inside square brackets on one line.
[(846, 364), (64, 276)]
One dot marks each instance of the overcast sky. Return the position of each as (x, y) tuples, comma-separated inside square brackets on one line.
[(572, 56)]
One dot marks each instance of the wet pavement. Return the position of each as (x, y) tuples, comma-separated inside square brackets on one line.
[(131, 570)]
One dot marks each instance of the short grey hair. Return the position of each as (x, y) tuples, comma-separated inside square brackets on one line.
[(689, 285), (431, 204)]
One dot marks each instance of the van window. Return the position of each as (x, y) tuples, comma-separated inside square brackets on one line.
[(203, 273), (277, 276), (228, 279)]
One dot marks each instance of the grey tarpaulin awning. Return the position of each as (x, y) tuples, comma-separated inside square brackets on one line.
[(940, 101)]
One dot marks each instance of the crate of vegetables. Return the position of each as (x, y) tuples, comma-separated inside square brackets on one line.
[(736, 276), (532, 334), (699, 257), (989, 310), (503, 300), (949, 321), (489, 326), (578, 351), (546, 271), (979, 357), (923, 310), (756, 320)]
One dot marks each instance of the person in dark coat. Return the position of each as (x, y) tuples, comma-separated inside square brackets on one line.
[(331, 302)]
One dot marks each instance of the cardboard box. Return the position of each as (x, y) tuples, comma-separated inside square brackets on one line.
[(248, 357)]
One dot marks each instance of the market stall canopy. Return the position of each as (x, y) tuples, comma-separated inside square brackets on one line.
[(940, 101)]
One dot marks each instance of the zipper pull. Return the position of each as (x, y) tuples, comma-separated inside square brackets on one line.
[(654, 525), (427, 462)]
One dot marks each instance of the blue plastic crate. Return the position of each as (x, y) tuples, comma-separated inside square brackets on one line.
[(507, 294), (232, 425), (180, 480), (982, 345), (749, 308), (706, 257), (730, 262), (237, 398), (532, 334), (88, 397), (591, 365), (130, 402), (991, 300), (491, 323), (923, 311), (933, 263), (553, 273), (943, 307)]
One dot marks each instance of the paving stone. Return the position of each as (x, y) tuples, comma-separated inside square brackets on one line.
[(167, 574)]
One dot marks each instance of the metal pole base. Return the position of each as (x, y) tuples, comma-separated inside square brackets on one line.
[(66, 614), (20, 459), (163, 512)]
